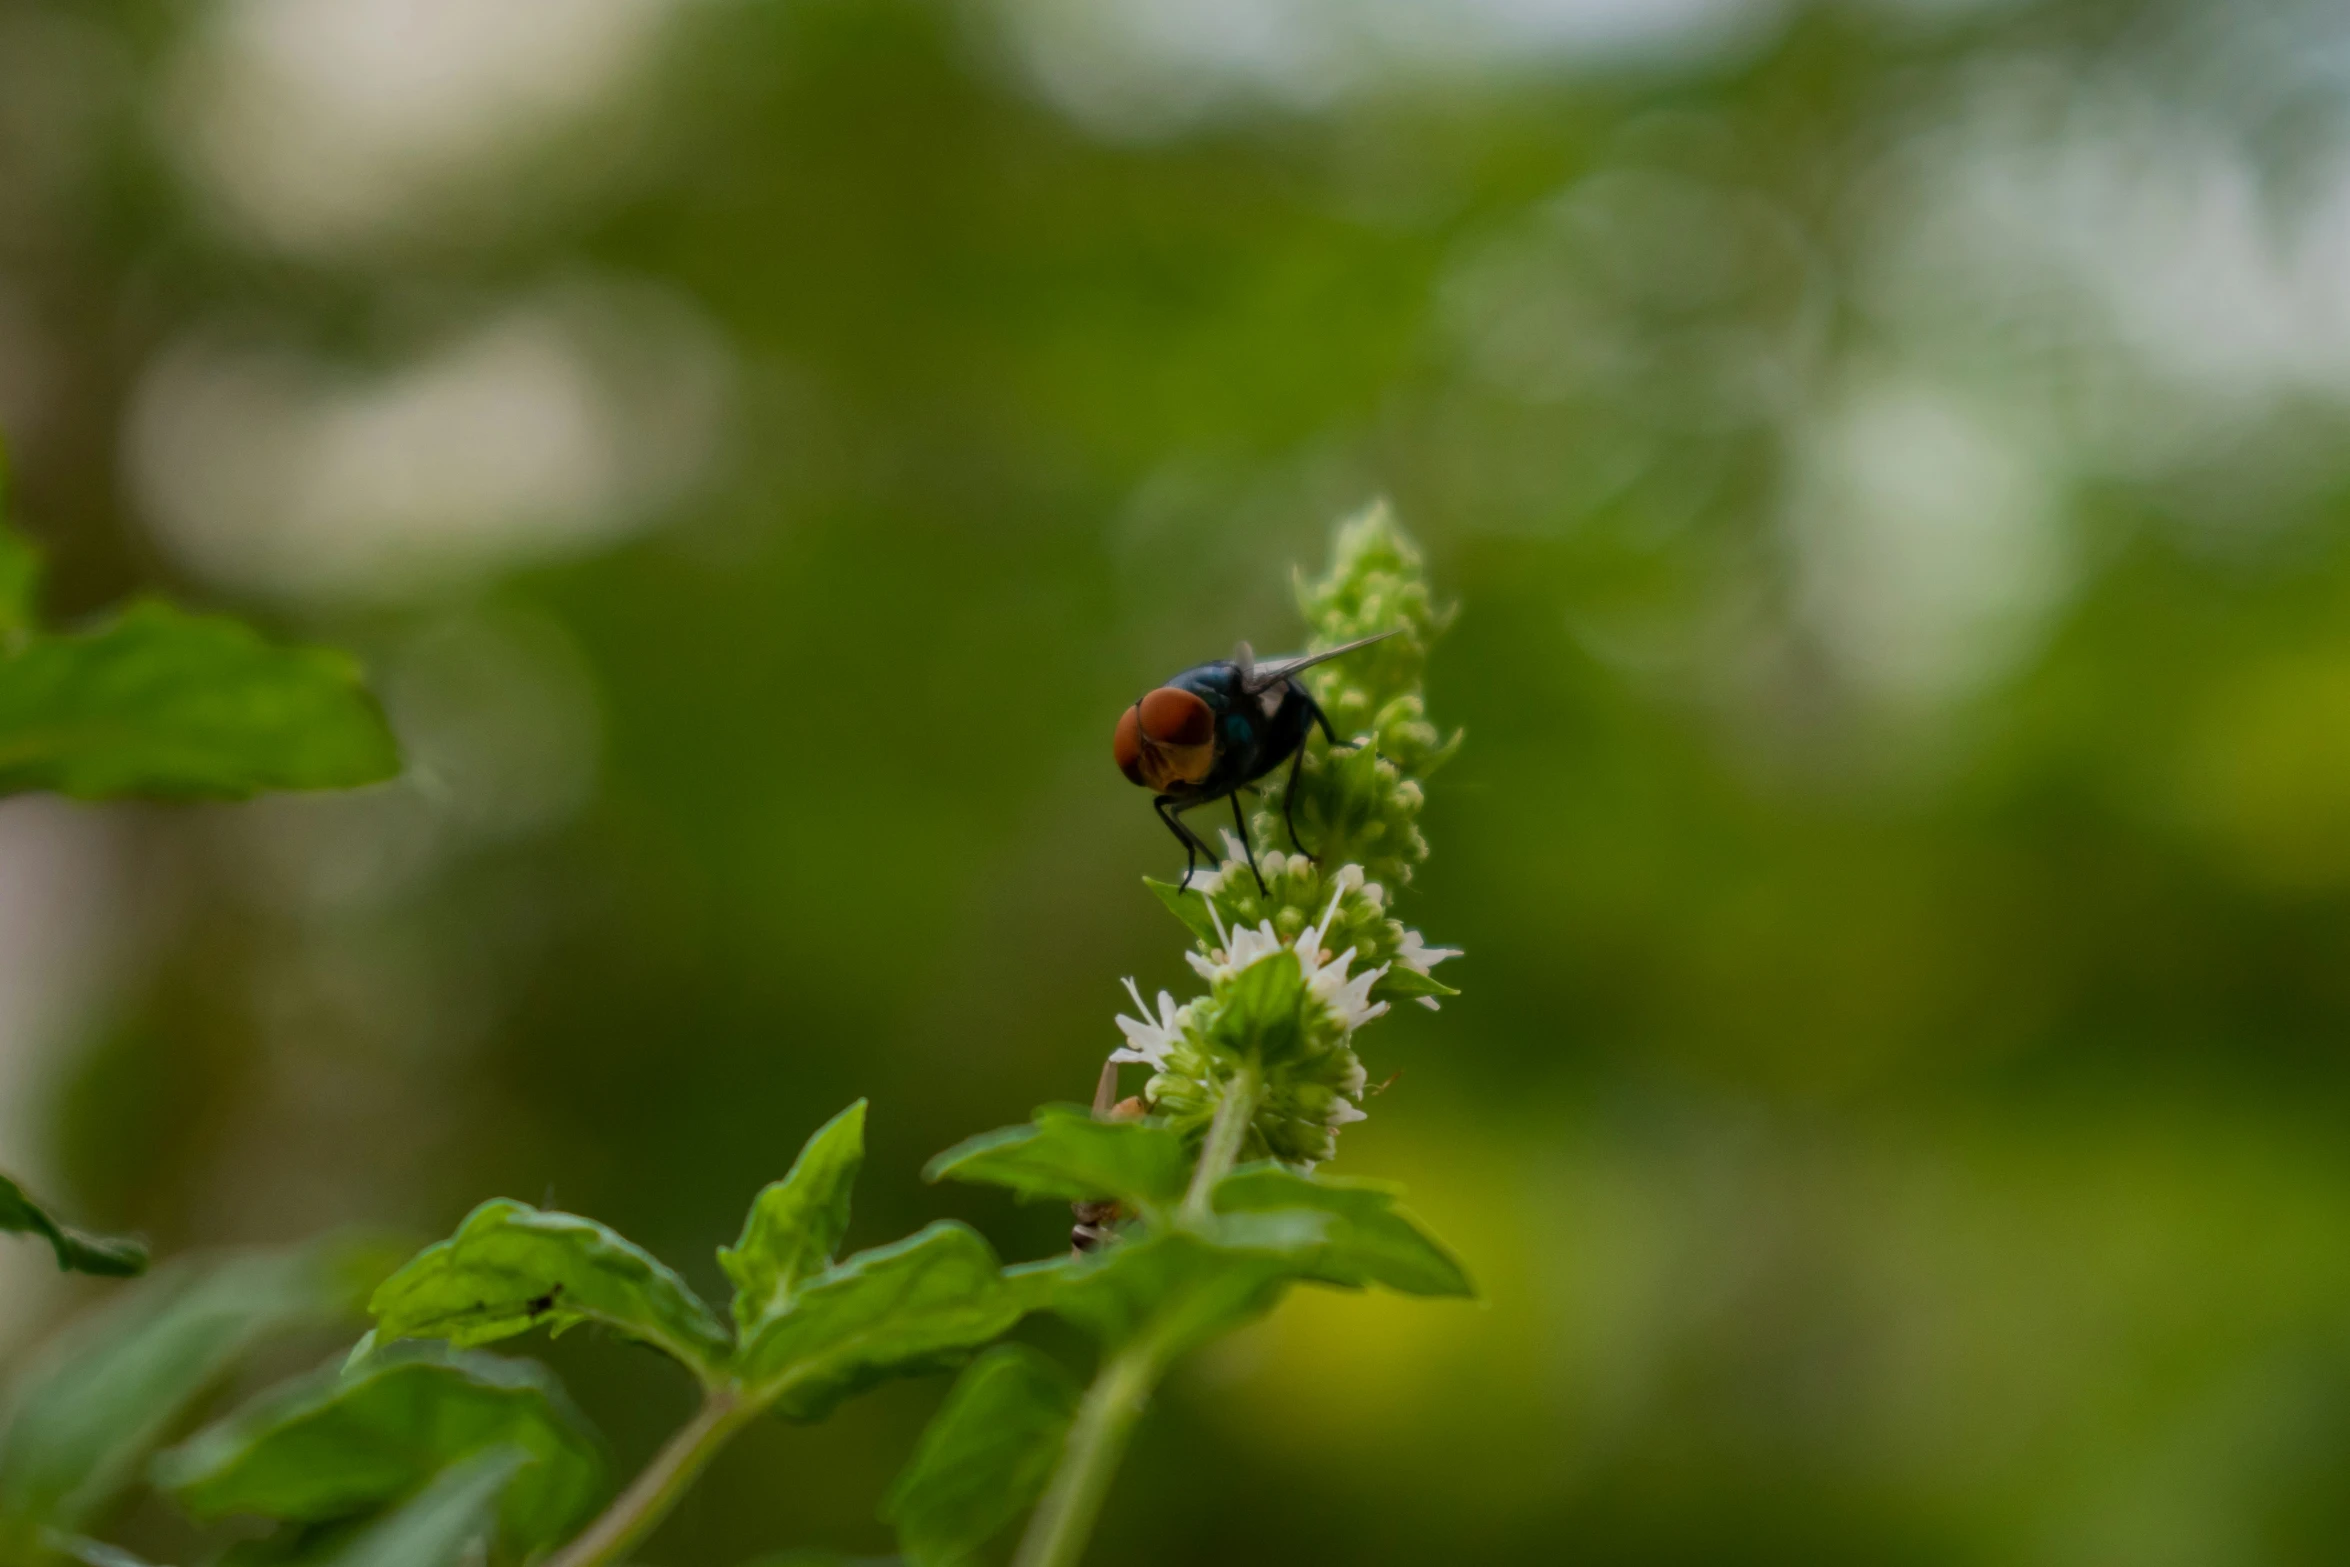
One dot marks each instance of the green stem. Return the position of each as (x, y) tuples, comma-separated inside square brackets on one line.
[(1064, 1520), (637, 1510), (1226, 1136)]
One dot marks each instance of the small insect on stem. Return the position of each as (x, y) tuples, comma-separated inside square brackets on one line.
[(1214, 729), (1097, 1217)]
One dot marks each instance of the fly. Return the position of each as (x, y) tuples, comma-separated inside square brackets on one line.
[(1214, 729)]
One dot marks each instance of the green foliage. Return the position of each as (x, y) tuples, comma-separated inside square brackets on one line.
[(815, 1338), (1363, 805), (449, 1519), (985, 1456), (511, 1267), (1369, 1238), (1403, 982), (78, 1251), (1268, 1017), (814, 1334), (421, 1453), (1262, 1017), (1189, 905), (20, 579), (340, 1444), (1066, 1153), (161, 704), (85, 1421), (919, 1305), (1175, 1289), (91, 1553), (795, 1225)]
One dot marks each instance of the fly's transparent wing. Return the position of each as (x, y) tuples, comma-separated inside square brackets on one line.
[(1255, 676)]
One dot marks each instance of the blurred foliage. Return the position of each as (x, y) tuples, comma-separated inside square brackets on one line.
[(76, 1250), (156, 703), (160, 703), (1889, 459), (82, 1422), (346, 1442), (985, 1459)]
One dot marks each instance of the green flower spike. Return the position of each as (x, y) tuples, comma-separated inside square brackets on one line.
[(1293, 968)]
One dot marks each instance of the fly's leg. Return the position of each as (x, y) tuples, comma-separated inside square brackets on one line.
[(1160, 804), (1240, 821), (1192, 847), (1331, 734), (1297, 764), (1328, 733)]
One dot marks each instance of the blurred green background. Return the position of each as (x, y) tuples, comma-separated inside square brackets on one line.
[(1891, 458)]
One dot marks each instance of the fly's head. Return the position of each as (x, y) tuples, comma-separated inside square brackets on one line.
[(1165, 741)]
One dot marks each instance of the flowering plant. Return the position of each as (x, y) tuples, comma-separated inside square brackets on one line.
[(1202, 1201)]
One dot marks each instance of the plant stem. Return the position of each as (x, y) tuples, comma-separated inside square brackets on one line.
[(1064, 1520), (634, 1513), (1226, 1134)]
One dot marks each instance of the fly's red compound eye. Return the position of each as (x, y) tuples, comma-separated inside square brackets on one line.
[(1176, 718), (1126, 744), (1166, 740)]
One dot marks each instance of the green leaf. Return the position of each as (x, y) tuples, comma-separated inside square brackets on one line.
[(120, 1379), (298, 1545), (20, 579), (1065, 1153), (1369, 1239), (1034, 1286), (1179, 1288), (331, 1445), (1261, 1015), (919, 1305), (511, 1267), (1401, 981), (162, 704), (985, 1457), (90, 1553), (1189, 906), (445, 1521), (795, 1225), (78, 1251), (20, 568)]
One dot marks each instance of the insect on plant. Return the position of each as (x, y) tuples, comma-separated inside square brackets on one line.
[(1214, 729), (1199, 1203)]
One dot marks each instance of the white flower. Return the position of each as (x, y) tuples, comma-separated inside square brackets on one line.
[(1415, 954), (1345, 1112), (1350, 878), (1235, 949), (1349, 1000), (1146, 1041)]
